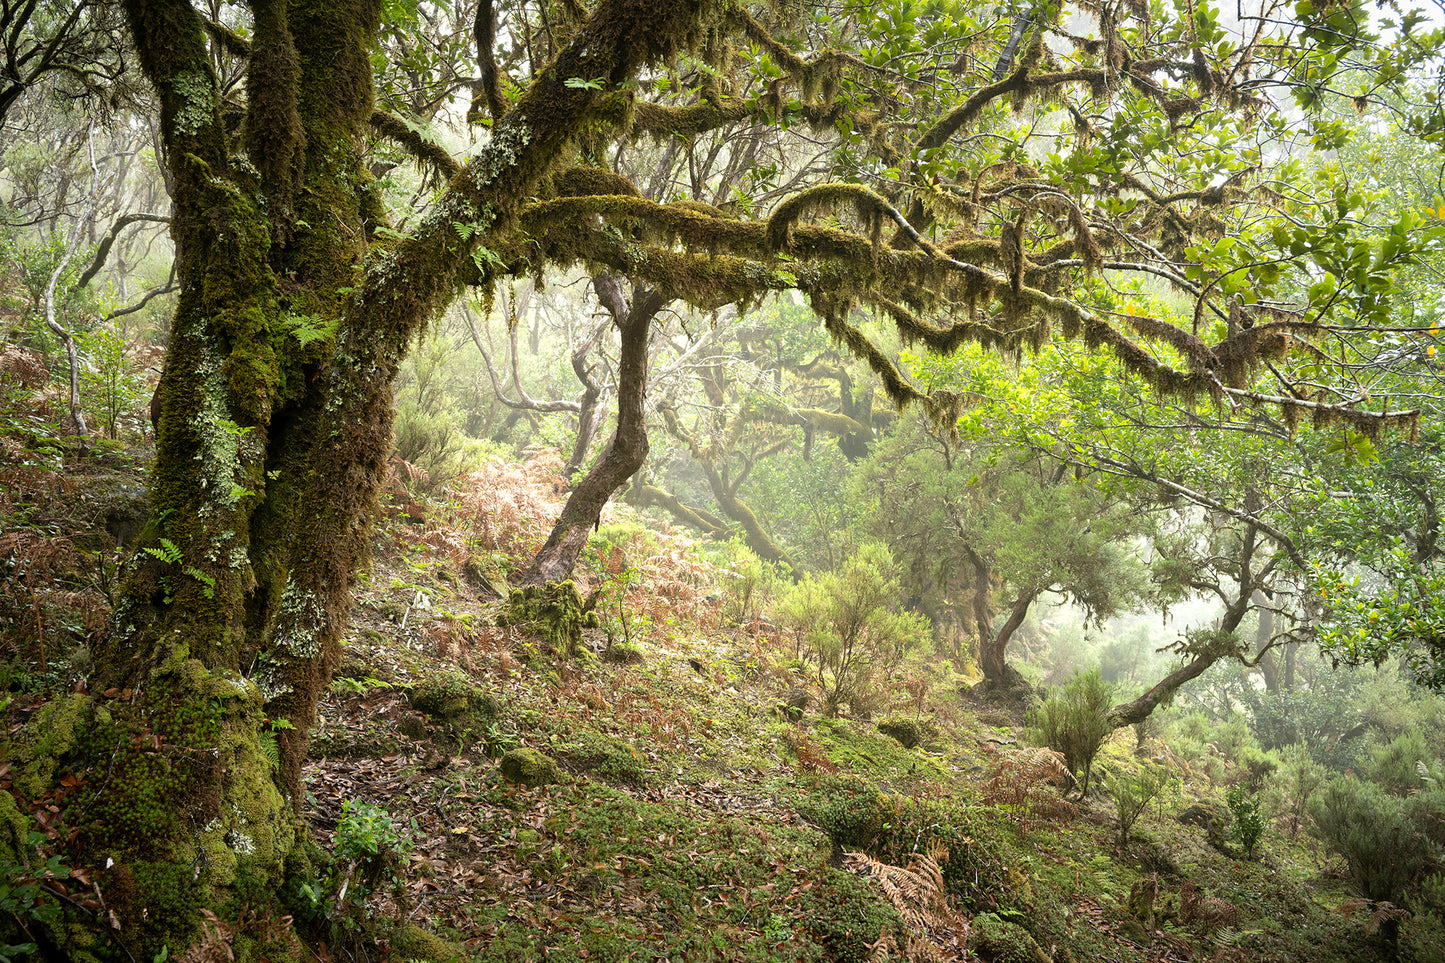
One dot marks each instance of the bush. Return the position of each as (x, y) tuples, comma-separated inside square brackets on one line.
[(1133, 795), (1249, 822), (1075, 722), (849, 626), (1299, 778), (1383, 846), (1396, 766)]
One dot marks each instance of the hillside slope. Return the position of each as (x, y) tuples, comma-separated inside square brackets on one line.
[(658, 796)]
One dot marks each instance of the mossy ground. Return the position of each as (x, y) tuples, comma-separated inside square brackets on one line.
[(693, 822)]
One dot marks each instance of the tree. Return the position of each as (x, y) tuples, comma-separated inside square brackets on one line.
[(299, 298), (986, 527)]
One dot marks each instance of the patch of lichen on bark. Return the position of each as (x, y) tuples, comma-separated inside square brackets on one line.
[(554, 612)]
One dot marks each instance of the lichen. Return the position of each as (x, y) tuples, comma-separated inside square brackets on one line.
[(198, 97)]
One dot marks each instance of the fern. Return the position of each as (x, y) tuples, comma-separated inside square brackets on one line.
[(169, 552), (307, 328), (270, 748), (932, 925), (1019, 782)]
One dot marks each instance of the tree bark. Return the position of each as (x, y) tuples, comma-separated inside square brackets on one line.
[(275, 414), (627, 449)]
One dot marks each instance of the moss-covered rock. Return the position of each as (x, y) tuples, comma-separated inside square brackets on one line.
[(623, 653), (455, 701), (610, 760), (555, 612), (909, 732), (412, 943), (1210, 816), (997, 940), (529, 768), (851, 813)]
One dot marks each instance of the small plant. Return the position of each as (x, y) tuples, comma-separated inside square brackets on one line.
[(1075, 722), (847, 621), (170, 553), (23, 897), (1249, 821), (1133, 795)]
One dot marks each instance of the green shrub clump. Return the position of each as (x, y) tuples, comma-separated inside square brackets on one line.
[(1249, 822), (1075, 722), (849, 625), (1381, 837)]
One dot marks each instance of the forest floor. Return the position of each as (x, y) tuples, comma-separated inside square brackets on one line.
[(688, 818)]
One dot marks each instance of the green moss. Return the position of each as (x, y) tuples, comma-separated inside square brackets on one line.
[(410, 942), (910, 733), (852, 813), (554, 612), (51, 733), (611, 760), (528, 767), (453, 699), (999, 941), (845, 916)]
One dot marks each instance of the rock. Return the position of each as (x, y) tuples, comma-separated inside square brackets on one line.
[(610, 760), (795, 706), (909, 732), (412, 726), (999, 941), (1141, 899), (453, 699), (623, 653), (410, 942), (1210, 816), (529, 768)]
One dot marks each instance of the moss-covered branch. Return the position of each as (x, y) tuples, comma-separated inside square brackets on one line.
[(421, 147)]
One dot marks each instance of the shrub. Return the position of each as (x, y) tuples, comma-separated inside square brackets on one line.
[(1383, 847), (849, 626), (1299, 778), (1075, 722), (1395, 766), (1249, 822), (1133, 795)]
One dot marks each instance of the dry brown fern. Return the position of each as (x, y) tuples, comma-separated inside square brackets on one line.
[(933, 929), (811, 758), (1021, 781), (1378, 913), (214, 945)]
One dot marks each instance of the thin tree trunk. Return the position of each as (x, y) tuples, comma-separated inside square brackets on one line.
[(627, 449)]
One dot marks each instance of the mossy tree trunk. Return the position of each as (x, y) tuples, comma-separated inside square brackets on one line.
[(627, 449), (275, 426)]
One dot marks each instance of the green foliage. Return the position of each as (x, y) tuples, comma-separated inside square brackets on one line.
[(367, 832), (1249, 822), (1317, 715), (25, 899), (170, 553), (1299, 776), (748, 580), (368, 854), (851, 812), (1397, 766), (112, 389), (849, 624), (1383, 845), (1075, 722), (1134, 792)]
